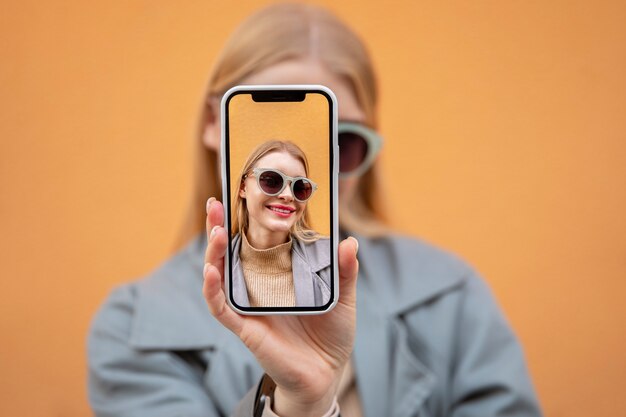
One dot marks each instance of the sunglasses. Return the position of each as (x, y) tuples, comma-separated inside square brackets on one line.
[(358, 146), (272, 182)]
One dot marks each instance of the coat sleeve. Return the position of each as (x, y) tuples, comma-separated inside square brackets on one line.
[(124, 381), (489, 374)]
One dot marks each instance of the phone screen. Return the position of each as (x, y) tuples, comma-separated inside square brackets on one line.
[(280, 180)]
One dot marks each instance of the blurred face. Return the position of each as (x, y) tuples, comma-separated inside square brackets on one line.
[(303, 71), (272, 215)]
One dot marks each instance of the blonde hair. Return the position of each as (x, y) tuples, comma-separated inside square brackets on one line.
[(301, 229), (273, 35)]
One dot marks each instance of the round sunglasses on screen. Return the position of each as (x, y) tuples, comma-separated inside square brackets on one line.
[(272, 182), (358, 146)]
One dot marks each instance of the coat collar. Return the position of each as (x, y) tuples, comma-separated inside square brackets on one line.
[(405, 272), (396, 275)]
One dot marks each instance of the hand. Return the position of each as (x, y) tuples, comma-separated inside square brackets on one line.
[(304, 355)]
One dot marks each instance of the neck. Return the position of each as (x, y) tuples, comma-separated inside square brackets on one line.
[(265, 239)]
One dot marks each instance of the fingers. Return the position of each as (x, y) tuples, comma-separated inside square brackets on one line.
[(216, 248), (348, 270), (214, 268), (216, 235), (215, 213), (216, 300)]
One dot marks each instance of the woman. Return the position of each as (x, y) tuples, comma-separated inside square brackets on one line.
[(278, 260), (430, 340)]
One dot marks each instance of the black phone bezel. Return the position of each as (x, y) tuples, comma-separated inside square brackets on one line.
[(280, 95)]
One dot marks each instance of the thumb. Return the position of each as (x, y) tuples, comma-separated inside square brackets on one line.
[(348, 270)]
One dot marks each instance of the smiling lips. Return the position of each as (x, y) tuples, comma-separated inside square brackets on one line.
[(280, 210)]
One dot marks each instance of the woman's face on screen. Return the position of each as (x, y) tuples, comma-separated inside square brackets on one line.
[(273, 214), (303, 71)]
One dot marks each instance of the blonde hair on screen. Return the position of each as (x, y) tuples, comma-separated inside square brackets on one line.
[(302, 228), (276, 34)]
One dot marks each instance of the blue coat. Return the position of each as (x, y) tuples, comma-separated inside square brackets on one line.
[(430, 341)]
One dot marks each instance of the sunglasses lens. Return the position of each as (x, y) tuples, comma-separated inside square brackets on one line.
[(352, 151), (302, 190), (271, 182)]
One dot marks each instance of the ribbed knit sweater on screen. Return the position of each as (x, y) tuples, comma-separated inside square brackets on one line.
[(268, 274)]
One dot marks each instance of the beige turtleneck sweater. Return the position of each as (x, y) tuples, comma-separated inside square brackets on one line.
[(268, 274)]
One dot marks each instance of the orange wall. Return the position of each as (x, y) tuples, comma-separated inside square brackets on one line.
[(505, 142)]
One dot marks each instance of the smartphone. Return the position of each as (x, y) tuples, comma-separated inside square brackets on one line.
[(279, 164)]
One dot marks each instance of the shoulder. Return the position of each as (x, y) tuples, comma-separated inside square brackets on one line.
[(411, 271), (422, 272), (165, 308), (406, 252), (114, 317)]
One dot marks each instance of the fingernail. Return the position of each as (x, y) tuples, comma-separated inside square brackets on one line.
[(206, 268), (356, 242), (208, 203), (213, 232)]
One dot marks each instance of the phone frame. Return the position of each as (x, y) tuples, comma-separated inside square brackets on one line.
[(334, 174)]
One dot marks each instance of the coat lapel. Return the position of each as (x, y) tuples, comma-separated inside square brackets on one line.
[(391, 381), (303, 280), (240, 292), (411, 381), (396, 276), (371, 356)]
